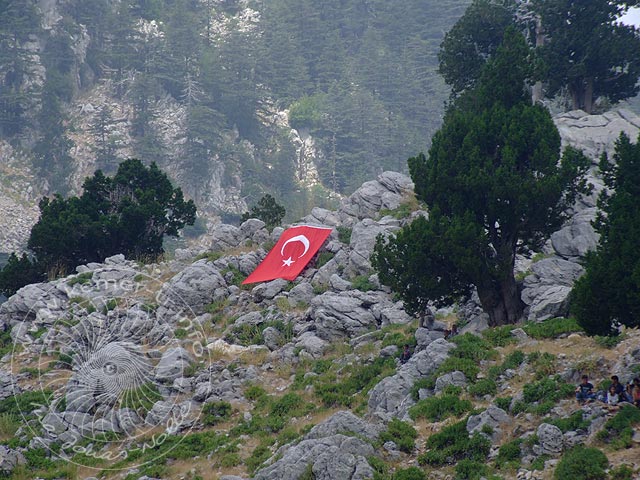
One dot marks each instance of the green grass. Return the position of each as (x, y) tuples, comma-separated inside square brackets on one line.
[(552, 328), (140, 399)]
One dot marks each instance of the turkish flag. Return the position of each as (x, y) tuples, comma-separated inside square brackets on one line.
[(296, 246)]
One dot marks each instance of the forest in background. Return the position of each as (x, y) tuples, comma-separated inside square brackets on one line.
[(359, 76)]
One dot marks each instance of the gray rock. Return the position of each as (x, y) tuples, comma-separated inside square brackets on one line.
[(301, 294), (339, 284), (390, 351), (424, 337), (249, 227), (363, 239), (550, 303), (492, 417), (332, 458), (387, 192), (173, 364), (345, 422), (577, 237), (128, 419), (272, 338), (550, 439), (455, 378), (159, 413), (183, 385), (193, 288), (225, 237), (251, 318), (312, 344), (268, 290), (392, 396), (344, 314), (10, 459), (595, 134)]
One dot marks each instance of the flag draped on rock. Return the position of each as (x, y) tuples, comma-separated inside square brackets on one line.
[(296, 246)]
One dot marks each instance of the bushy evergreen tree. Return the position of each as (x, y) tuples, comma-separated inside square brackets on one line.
[(493, 185), (267, 210), (128, 213), (589, 52), (608, 293)]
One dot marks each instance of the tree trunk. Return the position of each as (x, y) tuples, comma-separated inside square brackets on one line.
[(500, 299), (588, 95)]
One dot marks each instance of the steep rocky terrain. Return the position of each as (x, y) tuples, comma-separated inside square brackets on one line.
[(176, 370)]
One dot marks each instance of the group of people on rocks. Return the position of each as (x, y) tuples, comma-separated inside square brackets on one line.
[(616, 394)]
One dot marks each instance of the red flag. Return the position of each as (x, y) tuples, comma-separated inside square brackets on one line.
[(290, 255)]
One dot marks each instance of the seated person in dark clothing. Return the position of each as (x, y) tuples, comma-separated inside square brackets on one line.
[(615, 383), (584, 391), (406, 354)]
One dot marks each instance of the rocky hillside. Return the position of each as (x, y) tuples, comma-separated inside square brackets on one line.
[(177, 371)]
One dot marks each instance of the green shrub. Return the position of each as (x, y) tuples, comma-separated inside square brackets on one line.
[(360, 380), (344, 234), (230, 460), (411, 473), (323, 258), (609, 341), (306, 112), (618, 430), (621, 472), (421, 383), (254, 392), (503, 402), (573, 422), (453, 444), (465, 365), (24, 403), (362, 283), (402, 433), (259, 455), (439, 408), (472, 347), (470, 470), (509, 454), (485, 386), (81, 279), (9, 424), (499, 336), (552, 328), (380, 469), (215, 412), (581, 463), (544, 364), (545, 393)]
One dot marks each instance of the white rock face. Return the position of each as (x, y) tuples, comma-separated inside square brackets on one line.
[(595, 134)]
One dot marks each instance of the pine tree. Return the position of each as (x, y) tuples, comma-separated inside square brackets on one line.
[(493, 185), (608, 294)]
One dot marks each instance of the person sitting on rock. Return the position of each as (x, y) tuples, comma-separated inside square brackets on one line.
[(615, 383), (406, 354), (627, 396), (636, 392), (613, 398), (584, 391)]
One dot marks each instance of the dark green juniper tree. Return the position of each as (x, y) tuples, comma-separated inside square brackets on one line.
[(267, 210), (494, 185), (609, 292), (128, 213), (588, 52)]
